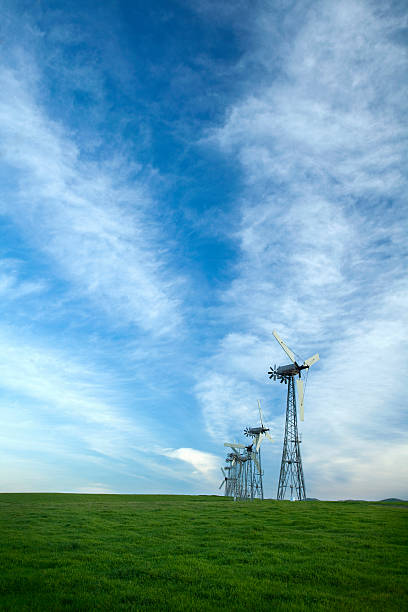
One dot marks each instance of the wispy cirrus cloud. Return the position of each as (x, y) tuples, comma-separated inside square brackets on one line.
[(94, 221), (13, 286), (58, 384), (63, 410), (228, 388)]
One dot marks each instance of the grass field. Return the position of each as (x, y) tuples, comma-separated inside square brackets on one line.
[(125, 552)]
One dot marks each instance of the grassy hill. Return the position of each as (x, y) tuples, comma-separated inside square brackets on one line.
[(145, 552)]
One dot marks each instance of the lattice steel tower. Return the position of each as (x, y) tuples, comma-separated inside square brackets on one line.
[(291, 471)]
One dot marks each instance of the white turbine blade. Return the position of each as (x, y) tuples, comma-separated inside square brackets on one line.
[(233, 445), (287, 350), (299, 383), (268, 435), (258, 443), (257, 464), (260, 412), (312, 360)]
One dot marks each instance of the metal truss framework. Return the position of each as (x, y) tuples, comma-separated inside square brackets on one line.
[(291, 473), (250, 482), (244, 481)]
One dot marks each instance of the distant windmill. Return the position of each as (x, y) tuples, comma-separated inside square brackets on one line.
[(254, 470), (291, 472), (226, 483), (245, 476), (236, 459)]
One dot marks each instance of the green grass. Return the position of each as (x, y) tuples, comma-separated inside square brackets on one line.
[(146, 552)]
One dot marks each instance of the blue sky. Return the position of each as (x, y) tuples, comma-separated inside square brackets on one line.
[(178, 180)]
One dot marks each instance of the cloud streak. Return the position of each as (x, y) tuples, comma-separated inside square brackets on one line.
[(63, 411), (94, 221)]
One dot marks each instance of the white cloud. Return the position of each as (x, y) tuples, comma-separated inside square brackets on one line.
[(12, 286), (230, 383), (204, 464), (54, 405), (50, 376), (94, 221), (67, 418)]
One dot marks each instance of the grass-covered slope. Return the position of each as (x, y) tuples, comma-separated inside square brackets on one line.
[(114, 552)]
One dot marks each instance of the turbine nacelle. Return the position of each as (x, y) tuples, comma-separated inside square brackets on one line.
[(235, 457), (293, 369), (282, 373), (255, 431)]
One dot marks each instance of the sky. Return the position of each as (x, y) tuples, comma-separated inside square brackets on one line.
[(177, 180)]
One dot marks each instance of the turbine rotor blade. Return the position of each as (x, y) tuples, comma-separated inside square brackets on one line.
[(299, 384), (258, 442), (312, 360), (267, 434), (260, 412), (222, 484), (287, 350), (222, 470), (233, 445)]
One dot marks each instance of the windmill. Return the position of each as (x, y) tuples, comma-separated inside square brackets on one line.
[(244, 479), (291, 472), (227, 482), (236, 478), (254, 484)]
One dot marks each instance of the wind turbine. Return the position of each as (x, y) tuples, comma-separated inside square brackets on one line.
[(284, 373), (254, 476), (225, 482), (291, 472), (236, 460), (258, 432)]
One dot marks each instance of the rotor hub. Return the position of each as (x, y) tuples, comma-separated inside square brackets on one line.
[(274, 374)]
